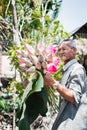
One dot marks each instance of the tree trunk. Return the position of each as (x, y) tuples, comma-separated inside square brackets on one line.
[(16, 38)]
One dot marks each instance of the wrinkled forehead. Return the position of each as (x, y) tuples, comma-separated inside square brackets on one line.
[(67, 43), (63, 44)]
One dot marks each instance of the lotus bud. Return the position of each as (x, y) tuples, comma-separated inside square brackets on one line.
[(40, 47), (22, 66), (29, 49), (31, 69), (41, 58), (37, 52), (44, 64), (44, 53), (19, 57), (38, 65), (27, 61), (49, 57), (20, 52), (20, 61), (25, 53), (33, 59)]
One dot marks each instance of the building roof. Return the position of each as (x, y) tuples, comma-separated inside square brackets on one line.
[(81, 29)]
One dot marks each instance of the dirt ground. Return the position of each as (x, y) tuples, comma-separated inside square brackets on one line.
[(41, 123)]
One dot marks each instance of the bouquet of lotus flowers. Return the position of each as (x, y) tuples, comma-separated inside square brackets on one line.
[(35, 62)]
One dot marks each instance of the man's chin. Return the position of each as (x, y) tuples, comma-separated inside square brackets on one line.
[(63, 59)]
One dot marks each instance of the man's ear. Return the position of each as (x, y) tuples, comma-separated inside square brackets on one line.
[(74, 50)]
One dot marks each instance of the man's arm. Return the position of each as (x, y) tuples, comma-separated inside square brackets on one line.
[(65, 92)]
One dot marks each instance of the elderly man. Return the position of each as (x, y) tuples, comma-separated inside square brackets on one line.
[(71, 88)]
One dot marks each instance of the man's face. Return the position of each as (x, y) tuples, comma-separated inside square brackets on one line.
[(66, 52)]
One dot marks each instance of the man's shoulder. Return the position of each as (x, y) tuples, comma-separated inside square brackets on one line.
[(77, 65), (78, 69)]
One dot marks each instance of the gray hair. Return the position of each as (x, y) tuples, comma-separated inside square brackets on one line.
[(69, 42)]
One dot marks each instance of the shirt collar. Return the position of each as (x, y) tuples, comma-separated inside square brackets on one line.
[(66, 66)]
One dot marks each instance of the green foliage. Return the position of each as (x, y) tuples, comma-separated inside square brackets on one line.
[(37, 20), (2, 104), (58, 75), (6, 103), (34, 102), (5, 4), (13, 56)]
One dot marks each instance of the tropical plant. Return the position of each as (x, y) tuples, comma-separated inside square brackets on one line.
[(31, 20), (33, 63)]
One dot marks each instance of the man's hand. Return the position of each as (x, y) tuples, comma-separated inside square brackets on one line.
[(48, 80)]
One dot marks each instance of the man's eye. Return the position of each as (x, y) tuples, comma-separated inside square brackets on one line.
[(59, 50)]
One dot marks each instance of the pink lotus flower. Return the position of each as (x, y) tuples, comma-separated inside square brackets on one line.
[(51, 68), (56, 60), (51, 50), (40, 58)]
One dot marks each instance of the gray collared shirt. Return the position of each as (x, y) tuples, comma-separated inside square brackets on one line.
[(73, 78)]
